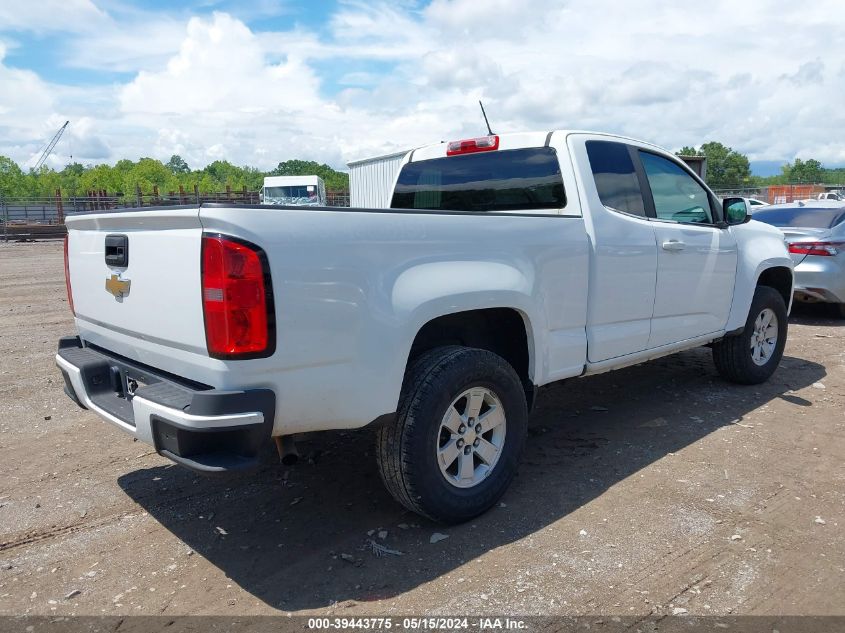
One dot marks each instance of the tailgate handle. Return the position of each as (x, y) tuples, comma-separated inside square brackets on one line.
[(117, 250)]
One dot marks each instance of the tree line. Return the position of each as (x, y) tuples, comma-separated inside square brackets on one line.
[(729, 169), (726, 169), (126, 176)]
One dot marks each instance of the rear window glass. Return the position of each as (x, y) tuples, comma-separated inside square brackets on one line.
[(616, 181), (806, 217), (508, 180)]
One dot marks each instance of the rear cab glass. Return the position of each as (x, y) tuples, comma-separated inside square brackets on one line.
[(615, 177), (507, 180)]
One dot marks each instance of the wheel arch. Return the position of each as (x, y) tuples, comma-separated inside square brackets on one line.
[(505, 331), (781, 279), (750, 277)]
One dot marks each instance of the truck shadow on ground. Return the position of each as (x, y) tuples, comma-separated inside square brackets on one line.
[(299, 538), (825, 314)]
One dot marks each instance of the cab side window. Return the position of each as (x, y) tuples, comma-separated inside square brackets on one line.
[(615, 177), (677, 195)]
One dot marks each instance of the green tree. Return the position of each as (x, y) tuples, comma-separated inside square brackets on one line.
[(224, 173), (335, 180), (124, 165), (725, 167), (69, 177), (206, 183), (146, 174), (43, 183), (253, 178), (177, 165), (12, 182), (125, 175), (76, 169), (809, 171), (100, 178)]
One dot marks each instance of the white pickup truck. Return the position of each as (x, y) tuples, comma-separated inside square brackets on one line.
[(506, 263)]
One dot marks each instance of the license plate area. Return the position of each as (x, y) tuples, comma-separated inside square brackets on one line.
[(131, 385), (132, 380)]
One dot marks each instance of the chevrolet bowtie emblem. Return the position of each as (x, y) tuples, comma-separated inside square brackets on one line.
[(117, 286)]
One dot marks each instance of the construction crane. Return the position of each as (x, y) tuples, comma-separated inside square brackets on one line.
[(49, 149)]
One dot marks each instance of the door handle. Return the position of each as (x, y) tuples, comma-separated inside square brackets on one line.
[(673, 245)]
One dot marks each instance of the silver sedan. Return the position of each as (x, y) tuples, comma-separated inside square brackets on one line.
[(815, 234)]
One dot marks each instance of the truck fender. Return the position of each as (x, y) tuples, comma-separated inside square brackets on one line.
[(431, 290), (746, 282)]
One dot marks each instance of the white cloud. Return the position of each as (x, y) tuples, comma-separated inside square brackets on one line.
[(22, 89), (84, 142), (121, 49), (473, 21), (25, 101), (51, 15), (32, 111), (219, 98), (756, 76)]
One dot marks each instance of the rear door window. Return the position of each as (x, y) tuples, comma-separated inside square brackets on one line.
[(615, 177), (508, 180)]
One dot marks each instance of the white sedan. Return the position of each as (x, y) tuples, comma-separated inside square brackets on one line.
[(754, 204)]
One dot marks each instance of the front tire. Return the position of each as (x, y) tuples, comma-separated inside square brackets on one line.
[(459, 430), (752, 356)]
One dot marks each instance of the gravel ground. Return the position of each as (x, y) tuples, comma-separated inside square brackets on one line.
[(654, 489)]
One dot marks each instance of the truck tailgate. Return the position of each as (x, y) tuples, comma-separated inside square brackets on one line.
[(156, 295)]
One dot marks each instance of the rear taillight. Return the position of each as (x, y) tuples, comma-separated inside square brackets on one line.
[(473, 145), (825, 249), (237, 299), (67, 280)]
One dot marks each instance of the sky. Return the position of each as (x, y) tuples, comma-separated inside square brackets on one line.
[(265, 81)]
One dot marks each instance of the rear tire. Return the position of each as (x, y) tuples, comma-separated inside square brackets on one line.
[(445, 456), (840, 310), (753, 356)]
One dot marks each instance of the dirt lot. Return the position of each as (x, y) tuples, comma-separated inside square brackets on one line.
[(651, 489)]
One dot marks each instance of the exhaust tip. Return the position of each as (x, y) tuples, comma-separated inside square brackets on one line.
[(288, 453)]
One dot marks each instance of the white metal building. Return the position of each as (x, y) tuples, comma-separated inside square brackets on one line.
[(371, 180)]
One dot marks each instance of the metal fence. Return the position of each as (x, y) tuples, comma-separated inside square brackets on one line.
[(29, 211), (742, 192), (337, 198), (33, 218), (29, 219), (779, 194)]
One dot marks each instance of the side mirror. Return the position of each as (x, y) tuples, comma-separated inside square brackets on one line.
[(735, 211)]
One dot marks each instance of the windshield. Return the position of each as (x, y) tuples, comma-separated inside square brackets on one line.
[(806, 217), (518, 179), (292, 195)]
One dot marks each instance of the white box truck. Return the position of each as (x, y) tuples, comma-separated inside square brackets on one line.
[(294, 191)]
